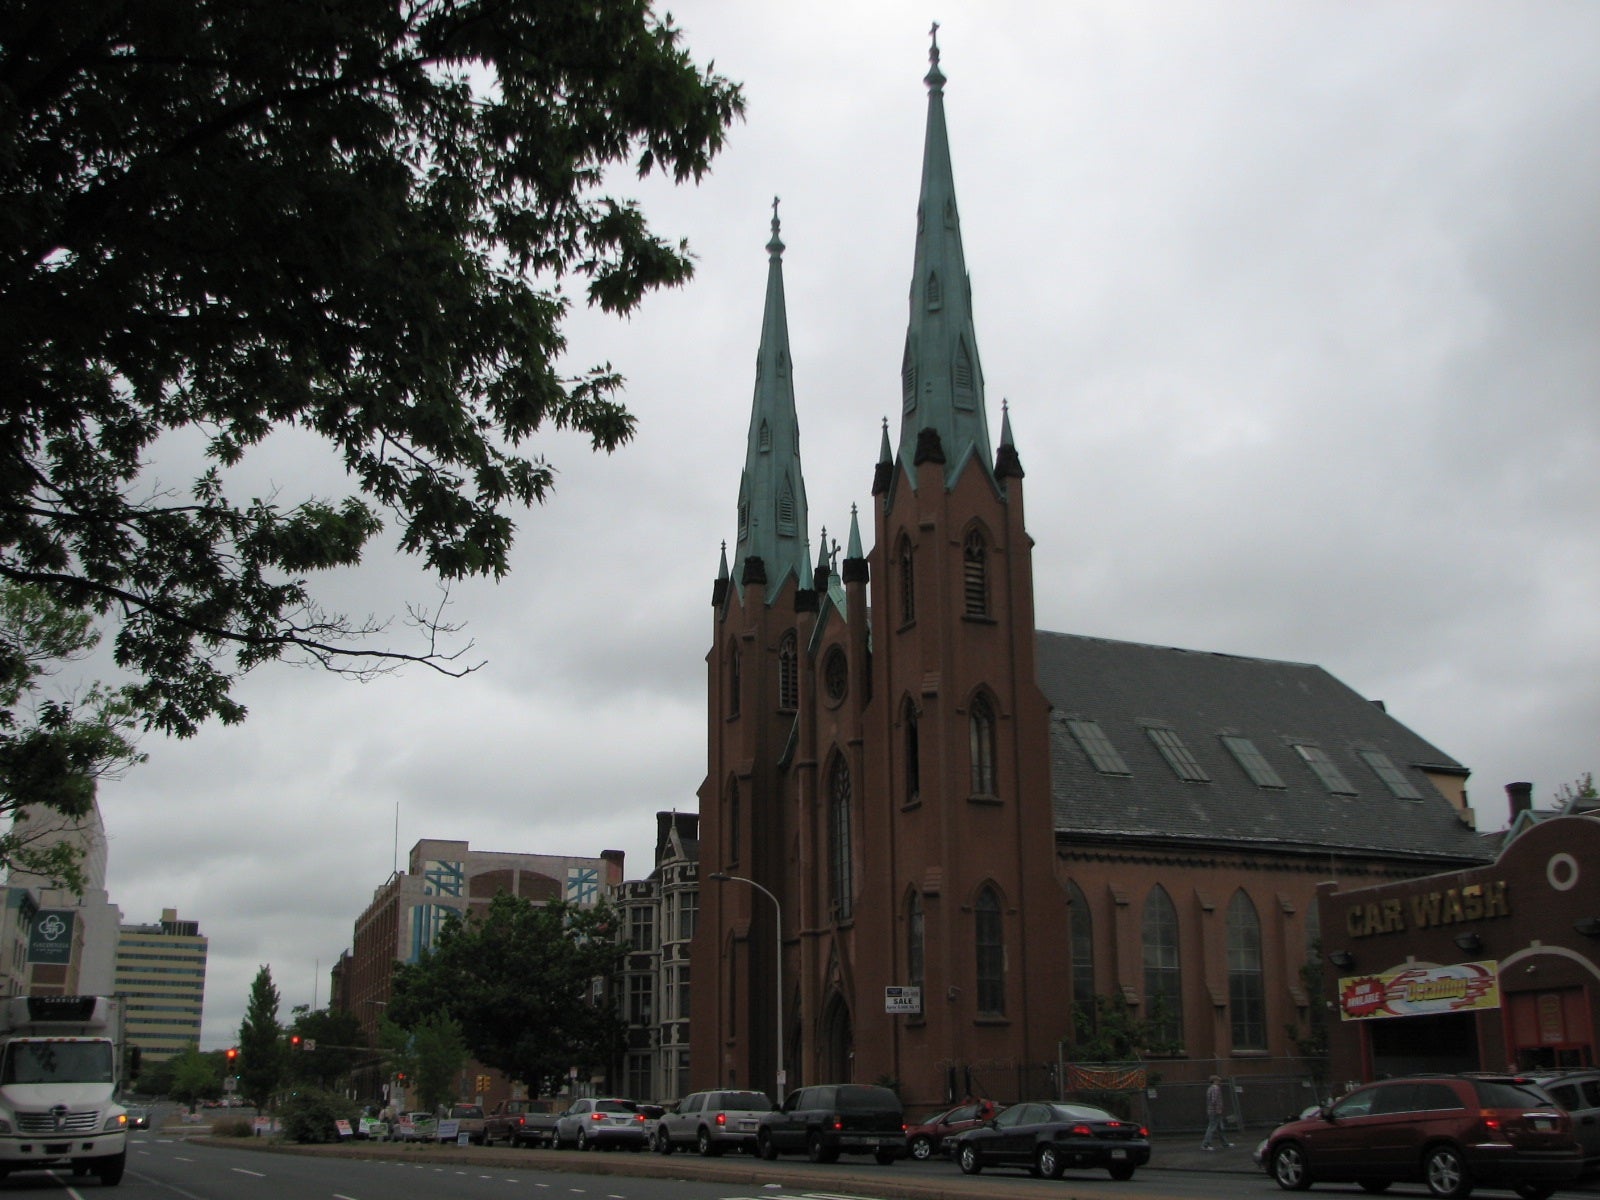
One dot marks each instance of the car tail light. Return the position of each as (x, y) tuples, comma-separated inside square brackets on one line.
[(1081, 1131), (722, 1118), (1144, 1131), (1491, 1123), (835, 1121), (640, 1117), (597, 1116)]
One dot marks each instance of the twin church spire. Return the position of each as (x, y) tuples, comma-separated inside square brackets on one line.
[(942, 401)]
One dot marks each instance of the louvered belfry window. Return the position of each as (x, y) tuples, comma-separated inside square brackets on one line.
[(788, 673), (975, 575)]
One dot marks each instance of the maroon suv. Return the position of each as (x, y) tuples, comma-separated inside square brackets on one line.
[(1447, 1131)]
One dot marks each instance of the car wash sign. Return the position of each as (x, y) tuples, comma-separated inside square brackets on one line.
[(50, 939), (1418, 991)]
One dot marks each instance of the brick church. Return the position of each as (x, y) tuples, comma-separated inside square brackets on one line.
[(937, 826)]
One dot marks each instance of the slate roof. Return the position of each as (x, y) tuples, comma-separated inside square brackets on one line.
[(1126, 687)]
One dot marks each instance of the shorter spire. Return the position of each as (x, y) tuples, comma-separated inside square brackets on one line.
[(1007, 465), (883, 473), (855, 562), (855, 536), (935, 77), (775, 245)]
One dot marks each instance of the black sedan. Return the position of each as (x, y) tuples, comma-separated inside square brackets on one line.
[(1047, 1138)]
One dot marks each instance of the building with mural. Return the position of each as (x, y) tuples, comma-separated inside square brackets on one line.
[(936, 840), (445, 878)]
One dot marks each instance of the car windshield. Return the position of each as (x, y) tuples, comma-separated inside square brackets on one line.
[(856, 1098), (466, 1110), (57, 1062), (1496, 1093), (1079, 1112), (615, 1106)]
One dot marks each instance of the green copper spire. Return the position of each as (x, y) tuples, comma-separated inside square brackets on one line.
[(772, 491), (941, 379)]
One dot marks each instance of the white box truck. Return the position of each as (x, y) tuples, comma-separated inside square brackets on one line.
[(60, 1080)]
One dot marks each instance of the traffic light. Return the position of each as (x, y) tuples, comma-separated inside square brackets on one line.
[(233, 1055), (294, 1041)]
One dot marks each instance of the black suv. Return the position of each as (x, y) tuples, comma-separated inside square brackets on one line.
[(834, 1118), (1447, 1131)]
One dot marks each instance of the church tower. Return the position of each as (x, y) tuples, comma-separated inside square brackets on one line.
[(878, 743)]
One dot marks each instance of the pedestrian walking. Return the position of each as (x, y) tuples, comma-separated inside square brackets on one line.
[(1214, 1116)]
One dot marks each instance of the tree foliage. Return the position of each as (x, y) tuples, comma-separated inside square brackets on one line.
[(339, 1041), (221, 219), (429, 1056), (261, 1042), (54, 745), (191, 1076), (520, 979)]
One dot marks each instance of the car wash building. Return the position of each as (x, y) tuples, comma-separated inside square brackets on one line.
[(1480, 969)]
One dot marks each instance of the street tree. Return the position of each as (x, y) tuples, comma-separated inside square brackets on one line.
[(520, 978), (261, 1042), (428, 1056), (331, 1045), (193, 1077), (357, 226), (55, 743)]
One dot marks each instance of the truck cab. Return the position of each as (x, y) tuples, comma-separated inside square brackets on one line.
[(60, 1081)]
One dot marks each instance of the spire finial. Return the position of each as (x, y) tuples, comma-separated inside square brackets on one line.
[(935, 77), (775, 246)]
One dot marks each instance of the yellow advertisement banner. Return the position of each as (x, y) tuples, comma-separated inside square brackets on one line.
[(1417, 991)]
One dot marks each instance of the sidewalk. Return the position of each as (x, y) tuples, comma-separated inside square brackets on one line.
[(1179, 1152)]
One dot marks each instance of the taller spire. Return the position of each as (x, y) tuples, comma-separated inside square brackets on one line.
[(941, 379), (772, 490)]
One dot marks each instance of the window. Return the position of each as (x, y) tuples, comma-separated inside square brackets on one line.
[(642, 928), (1332, 778), (836, 675), (1163, 976), (980, 724), (964, 376), (908, 583), (841, 884), (639, 1075), (914, 944), (688, 914), (1393, 778), (1098, 747), (935, 291), (908, 378), (765, 437), (1247, 997), (735, 832), (989, 937), (1177, 754), (913, 754), (788, 673), (1252, 760), (975, 575), (641, 999), (733, 682), (1080, 933), (786, 521)]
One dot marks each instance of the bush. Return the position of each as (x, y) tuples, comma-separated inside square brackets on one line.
[(241, 1127), (309, 1115)]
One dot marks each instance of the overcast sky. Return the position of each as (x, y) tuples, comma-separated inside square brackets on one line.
[(1297, 308)]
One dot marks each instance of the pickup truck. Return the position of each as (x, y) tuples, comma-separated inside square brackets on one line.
[(520, 1122), (470, 1120)]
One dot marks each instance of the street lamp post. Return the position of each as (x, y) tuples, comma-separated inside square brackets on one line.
[(777, 954)]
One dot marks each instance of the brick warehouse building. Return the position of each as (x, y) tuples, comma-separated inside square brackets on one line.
[(964, 822)]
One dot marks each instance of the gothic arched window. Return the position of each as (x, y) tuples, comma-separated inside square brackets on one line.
[(788, 673), (980, 725), (841, 878), (734, 666), (908, 582), (975, 574), (1080, 933), (913, 754), (1163, 975), (1247, 996), (914, 942), (989, 938)]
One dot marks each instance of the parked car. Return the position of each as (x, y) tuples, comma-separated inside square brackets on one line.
[(931, 1136), (469, 1120), (1579, 1093), (593, 1123), (835, 1118), (1450, 1132), (1046, 1137), (520, 1122), (711, 1122), (1259, 1154)]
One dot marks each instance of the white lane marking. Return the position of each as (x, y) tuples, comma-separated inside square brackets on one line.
[(242, 1171)]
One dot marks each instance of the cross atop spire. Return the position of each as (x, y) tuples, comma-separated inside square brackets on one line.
[(935, 77), (775, 246)]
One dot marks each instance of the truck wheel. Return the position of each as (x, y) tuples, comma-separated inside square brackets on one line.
[(764, 1146), (583, 1140), (706, 1147), (111, 1169)]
